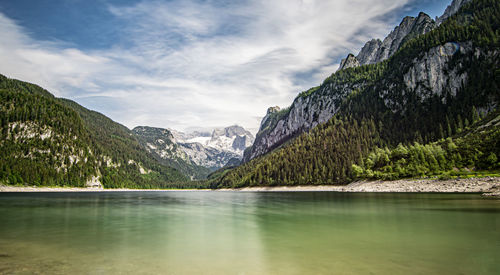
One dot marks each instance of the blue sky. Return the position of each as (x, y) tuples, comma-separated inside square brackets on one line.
[(188, 64)]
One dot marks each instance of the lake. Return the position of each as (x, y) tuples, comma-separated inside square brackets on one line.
[(248, 233)]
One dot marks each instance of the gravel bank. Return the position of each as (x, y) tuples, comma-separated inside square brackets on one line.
[(490, 186), (4, 188)]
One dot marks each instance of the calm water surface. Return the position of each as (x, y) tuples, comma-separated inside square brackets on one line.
[(248, 233)]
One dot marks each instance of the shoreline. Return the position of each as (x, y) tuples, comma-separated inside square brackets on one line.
[(489, 186), (13, 189)]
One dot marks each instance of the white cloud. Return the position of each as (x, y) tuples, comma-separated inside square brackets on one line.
[(188, 64)]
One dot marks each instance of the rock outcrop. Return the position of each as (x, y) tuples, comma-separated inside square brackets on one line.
[(349, 62), (430, 75), (451, 10), (375, 51), (369, 52), (305, 113)]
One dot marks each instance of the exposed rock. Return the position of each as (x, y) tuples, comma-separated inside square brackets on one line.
[(274, 109), (451, 10), (426, 76), (205, 156), (375, 51), (349, 62), (239, 143), (490, 187), (162, 145), (160, 142), (94, 182), (271, 111), (369, 52), (305, 113), (138, 165), (232, 139), (230, 131), (212, 151)]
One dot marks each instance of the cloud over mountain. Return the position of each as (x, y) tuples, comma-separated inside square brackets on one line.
[(181, 64)]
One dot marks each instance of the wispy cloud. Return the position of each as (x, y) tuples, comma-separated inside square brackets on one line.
[(184, 64)]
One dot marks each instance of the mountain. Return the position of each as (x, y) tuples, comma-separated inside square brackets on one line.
[(196, 153), (435, 84), (50, 141), (162, 145), (319, 104), (375, 51)]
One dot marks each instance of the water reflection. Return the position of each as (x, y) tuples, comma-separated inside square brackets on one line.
[(250, 233)]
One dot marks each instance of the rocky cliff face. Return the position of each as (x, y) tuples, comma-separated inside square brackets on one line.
[(349, 62), (431, 75), (369, 52), (428, 75), (305, 113), (451, 10), (375, 51)]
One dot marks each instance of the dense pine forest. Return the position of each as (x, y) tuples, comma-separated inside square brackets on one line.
[(47, 141), (473, 151), (412, 130)]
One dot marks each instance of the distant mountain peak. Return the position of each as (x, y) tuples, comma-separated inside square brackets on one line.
[(231, 131), (210, 150), (233, 138)]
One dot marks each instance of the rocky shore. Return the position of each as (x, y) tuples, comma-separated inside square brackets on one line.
[(489, 186), (4, 188)]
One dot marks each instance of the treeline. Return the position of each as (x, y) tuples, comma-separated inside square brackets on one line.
[(323, 156), (476, 150)]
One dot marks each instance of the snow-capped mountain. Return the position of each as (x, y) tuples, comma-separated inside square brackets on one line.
[(216, 149), (210, 150)]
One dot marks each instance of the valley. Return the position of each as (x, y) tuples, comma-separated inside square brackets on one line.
[(422, 102)]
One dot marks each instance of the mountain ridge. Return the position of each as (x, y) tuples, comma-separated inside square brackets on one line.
[(319, 104), (203, 151), (433, 86)]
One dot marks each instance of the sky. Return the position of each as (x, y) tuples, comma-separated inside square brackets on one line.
[(189, 64)]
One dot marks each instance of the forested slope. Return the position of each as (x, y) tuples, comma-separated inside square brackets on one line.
[(434, 87), (48, 141)]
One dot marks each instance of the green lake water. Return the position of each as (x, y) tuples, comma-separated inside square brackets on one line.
[(248, 233)]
